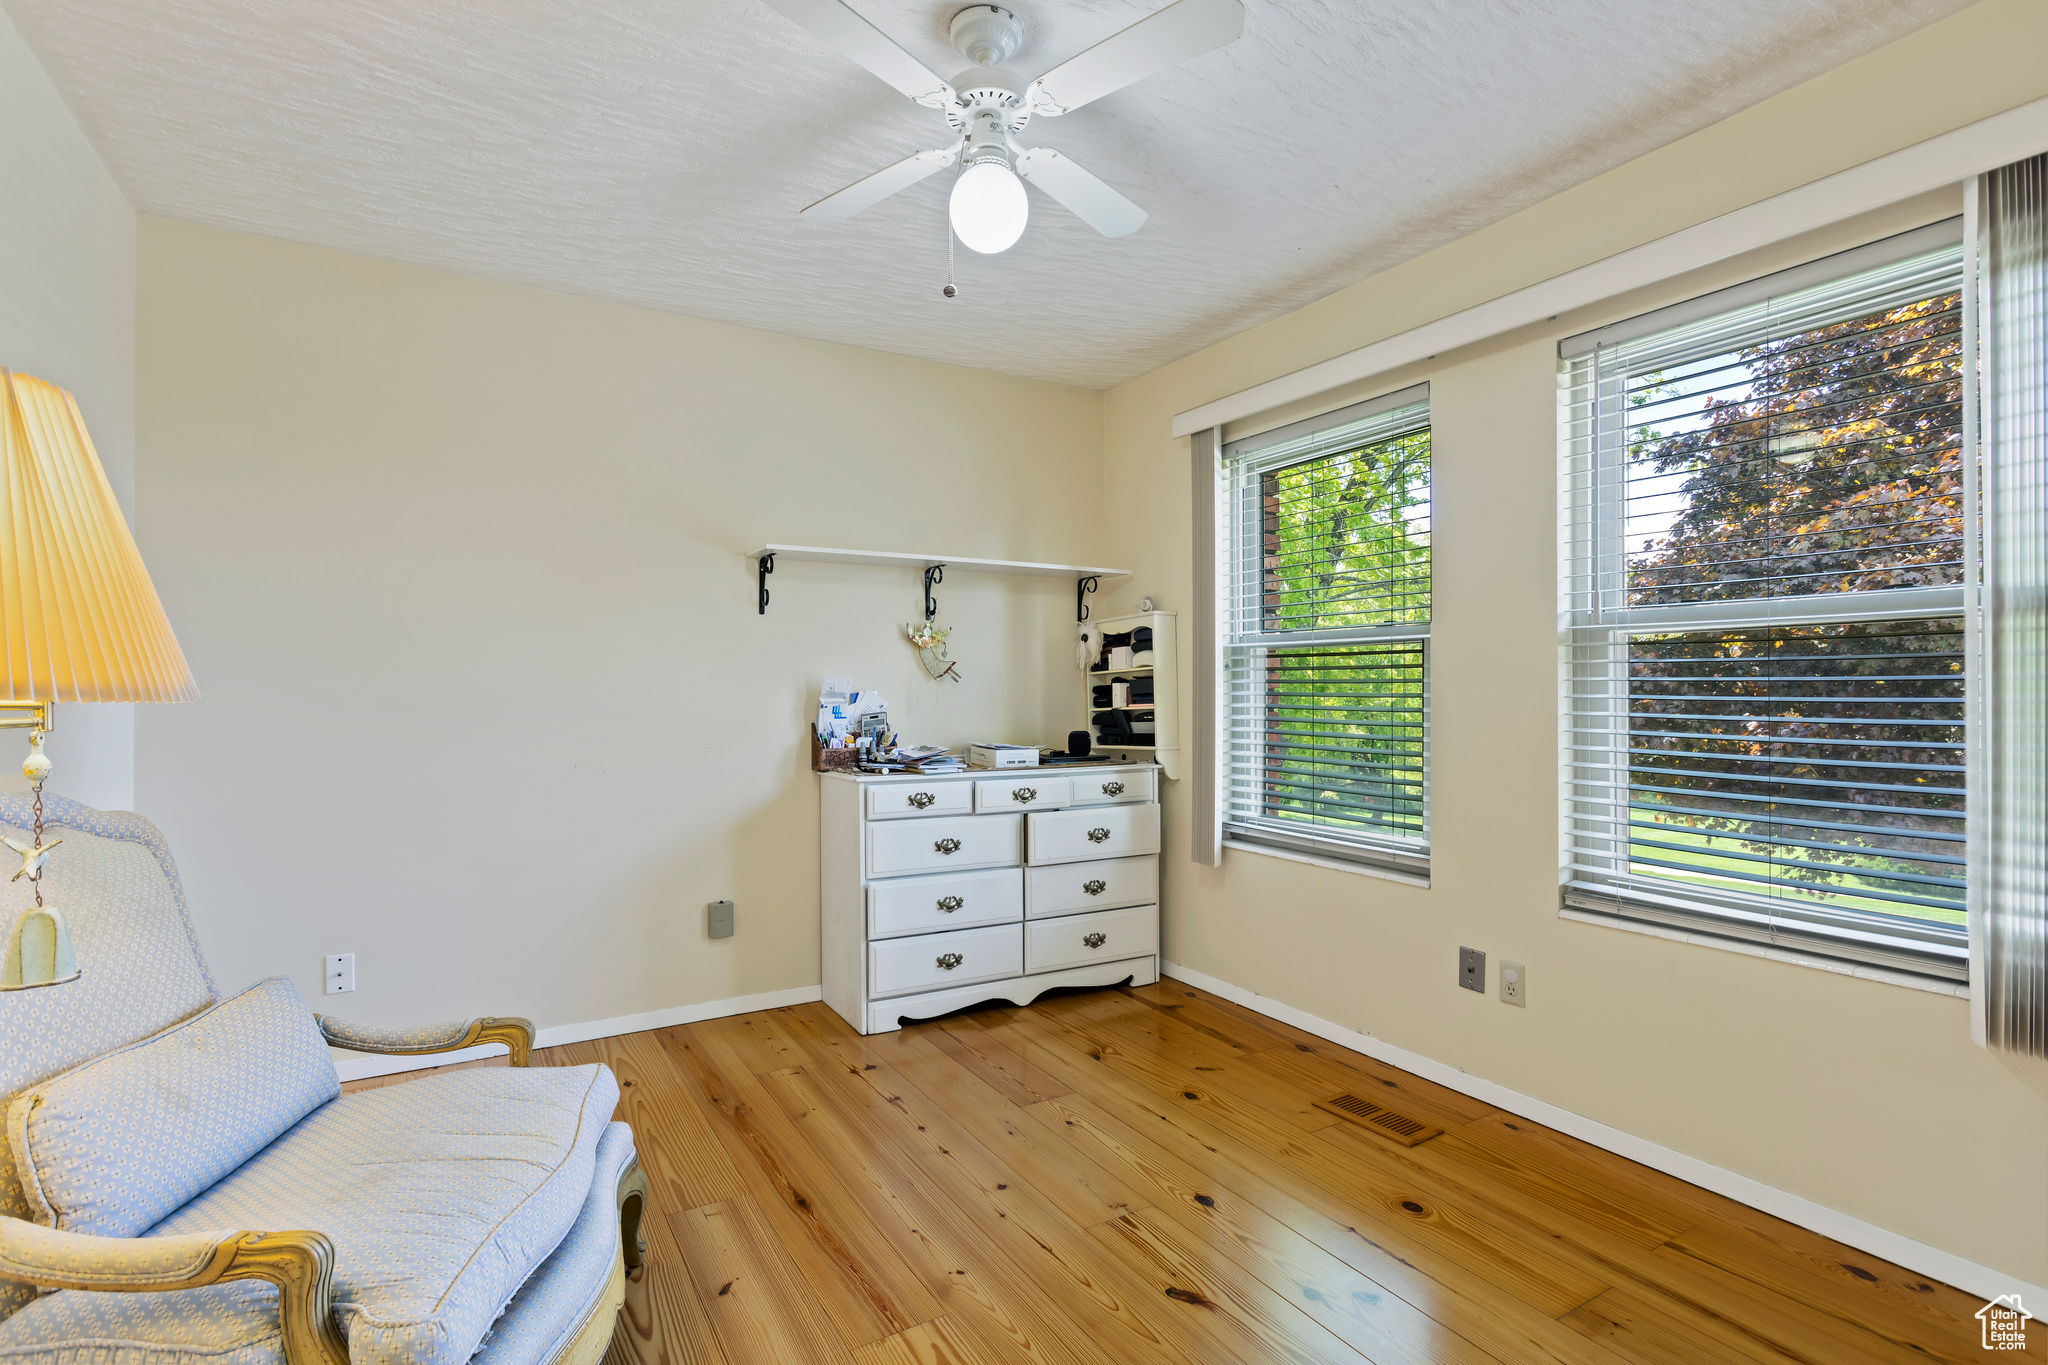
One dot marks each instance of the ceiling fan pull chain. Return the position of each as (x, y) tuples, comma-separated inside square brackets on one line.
[(949, 291)]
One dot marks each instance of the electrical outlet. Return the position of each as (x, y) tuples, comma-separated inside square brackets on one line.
[(718, 919), (1472, 969), (1514, 984), (341, 973)]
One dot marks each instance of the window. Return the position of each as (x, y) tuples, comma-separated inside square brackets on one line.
[(1326, 645), (1766, 611)]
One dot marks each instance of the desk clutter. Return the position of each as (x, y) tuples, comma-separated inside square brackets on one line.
[(1127, 694), (852, 731)]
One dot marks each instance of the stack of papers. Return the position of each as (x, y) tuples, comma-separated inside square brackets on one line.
[(924, 758)]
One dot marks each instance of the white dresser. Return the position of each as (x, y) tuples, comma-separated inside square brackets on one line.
[(943, 892)]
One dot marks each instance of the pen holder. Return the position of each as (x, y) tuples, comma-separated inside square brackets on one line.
[(824, 760)]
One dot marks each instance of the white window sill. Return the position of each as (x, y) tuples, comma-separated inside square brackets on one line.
[(1385, 874), (1862, 971)]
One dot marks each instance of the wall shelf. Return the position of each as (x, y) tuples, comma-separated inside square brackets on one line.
[(1084, 575), (1165, 708)]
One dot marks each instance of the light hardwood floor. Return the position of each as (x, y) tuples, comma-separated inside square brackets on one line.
[(1140, 1176)]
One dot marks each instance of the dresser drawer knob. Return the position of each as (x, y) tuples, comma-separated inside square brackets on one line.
[(1112, 789), (948, 961), (951, 903), (1024, 794), (1096, 887), (953, 845), (1095, 940), (1097, 835), (921, 799)]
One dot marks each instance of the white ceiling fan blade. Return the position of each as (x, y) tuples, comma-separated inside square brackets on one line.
[(1093, 202), (1184, 29), (835, 208), (839, 27)]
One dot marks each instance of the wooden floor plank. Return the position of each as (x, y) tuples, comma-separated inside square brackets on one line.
[(1535, 1147), (1403, 1209), (1145, 1037), (1452, 1293), (1138, 1176), (1055, 1315), (1646, 1336), (1263, 1325), (1373, 1320), (749, 1289), (990, 1058), (860, 1279), (1051, 1249), (1083, 1191), (1239, 1028), (1520, 1216), (938, 1342), (686, 1167), (669, 1324)]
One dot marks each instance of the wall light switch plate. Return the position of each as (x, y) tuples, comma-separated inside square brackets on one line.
[(1514, 984), (718, 919), (1472, 969), (341, 973)]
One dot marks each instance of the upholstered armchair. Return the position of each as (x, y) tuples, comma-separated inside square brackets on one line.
[(181, 1177)]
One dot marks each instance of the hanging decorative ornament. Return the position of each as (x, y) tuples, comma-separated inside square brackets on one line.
[(930, 642), (35, 768), (38, 951), (1088, 648)]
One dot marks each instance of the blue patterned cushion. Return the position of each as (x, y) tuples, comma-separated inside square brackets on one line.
[(113, 1146), (557, 1301), (442, 1196), (118, 888), (389, 1038), (222, 1324)]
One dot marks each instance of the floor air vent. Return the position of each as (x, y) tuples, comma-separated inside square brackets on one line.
[(1380, 1119)]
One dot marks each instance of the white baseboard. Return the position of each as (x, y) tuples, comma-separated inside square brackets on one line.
[(1901, 1250), (356, 1066)]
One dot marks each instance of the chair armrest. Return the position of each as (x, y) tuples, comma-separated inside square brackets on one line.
[(516, 1034), (300, 1264)]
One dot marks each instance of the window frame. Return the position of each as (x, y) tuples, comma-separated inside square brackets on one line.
[(1384, 418), (1596, 626)]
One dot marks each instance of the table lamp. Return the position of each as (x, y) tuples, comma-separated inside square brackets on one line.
[(79, 621)]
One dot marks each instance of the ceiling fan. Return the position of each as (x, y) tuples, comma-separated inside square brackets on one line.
[(988, 105)]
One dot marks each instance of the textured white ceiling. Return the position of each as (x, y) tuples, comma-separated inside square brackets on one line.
[(656, 153)]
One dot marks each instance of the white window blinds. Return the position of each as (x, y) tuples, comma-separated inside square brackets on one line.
[(1765, 615), (1325, 653)]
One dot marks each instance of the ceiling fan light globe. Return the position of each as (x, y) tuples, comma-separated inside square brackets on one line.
[(988, 208)]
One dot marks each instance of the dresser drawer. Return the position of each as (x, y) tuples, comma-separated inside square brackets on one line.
[(898, 966), (893, 800), (1100, 789), (1066, 836), (957, 841), (950, 900), (1028, 792), (1072, 940), (1102, 884)]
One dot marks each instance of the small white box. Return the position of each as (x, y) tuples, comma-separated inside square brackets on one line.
[(1120, 656), (1002, 755), (1119, 694)]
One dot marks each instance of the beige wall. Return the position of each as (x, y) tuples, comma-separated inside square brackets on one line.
[(67, 314), (459, 568), (1865, 1097)]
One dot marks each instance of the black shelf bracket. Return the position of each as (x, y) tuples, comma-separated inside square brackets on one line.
[(767, 567), (933, 574), (1082, 587)]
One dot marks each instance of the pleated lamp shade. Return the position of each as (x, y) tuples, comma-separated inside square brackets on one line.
[(79, 618)]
